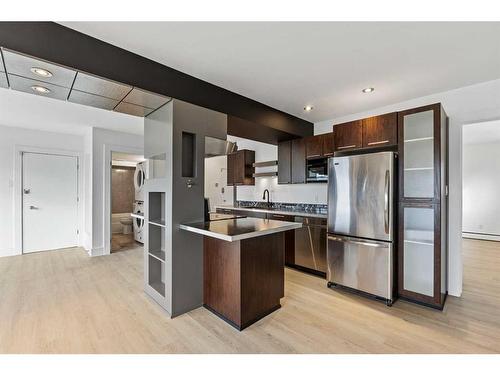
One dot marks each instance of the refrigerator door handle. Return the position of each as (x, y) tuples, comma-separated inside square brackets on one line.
[(386, 201), (362, 243)]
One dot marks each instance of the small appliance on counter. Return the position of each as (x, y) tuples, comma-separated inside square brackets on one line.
[(360, 253)]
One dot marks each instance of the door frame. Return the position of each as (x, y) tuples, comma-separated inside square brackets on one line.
[(19, 150), (108, 151)]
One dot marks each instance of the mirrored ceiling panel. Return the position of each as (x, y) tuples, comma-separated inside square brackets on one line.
[(2, 69), (28, 67), (37, 87), (3, 80), (132, 109), (100, 86), (145, 98), (85, 98), (31, 75)]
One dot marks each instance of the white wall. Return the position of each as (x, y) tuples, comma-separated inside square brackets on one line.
[(289, 193), (481, 188), (466, 105), (10, 138)]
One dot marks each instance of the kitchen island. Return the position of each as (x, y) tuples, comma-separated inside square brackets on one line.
[(243, 267)]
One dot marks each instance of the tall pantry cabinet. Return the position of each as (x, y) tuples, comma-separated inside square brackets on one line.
[(423, 205)]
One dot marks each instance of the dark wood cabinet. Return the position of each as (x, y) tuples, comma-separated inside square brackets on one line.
[(240, 168), (348, 136), (314, 147), (292, 162), (380, 130), (285, 162), (319, 146), (423, 198), (328, 144), (298, 158)]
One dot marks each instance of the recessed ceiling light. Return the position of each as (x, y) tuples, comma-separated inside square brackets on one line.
[(308, 108), (368, 89), (40, 89), (41, 72)]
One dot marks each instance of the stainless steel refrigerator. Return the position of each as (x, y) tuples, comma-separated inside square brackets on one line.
[(360, 253)]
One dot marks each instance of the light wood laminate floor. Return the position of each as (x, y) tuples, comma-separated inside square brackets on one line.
[(65, 302)]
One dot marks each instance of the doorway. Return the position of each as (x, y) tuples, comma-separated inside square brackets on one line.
[(480, 208), (49, 201), (128, 175)]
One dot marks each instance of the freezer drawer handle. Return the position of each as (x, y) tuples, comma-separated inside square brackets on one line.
[(371, 244)]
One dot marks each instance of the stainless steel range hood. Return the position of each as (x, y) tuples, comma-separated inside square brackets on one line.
[(218, 147)]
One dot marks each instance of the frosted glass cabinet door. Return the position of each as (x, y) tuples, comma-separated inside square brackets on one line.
[(418, 130), (418, 250)]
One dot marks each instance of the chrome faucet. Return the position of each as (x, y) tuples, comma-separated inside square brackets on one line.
[(264, 196)]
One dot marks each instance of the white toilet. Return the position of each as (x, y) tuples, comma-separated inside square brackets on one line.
[(126, 223)]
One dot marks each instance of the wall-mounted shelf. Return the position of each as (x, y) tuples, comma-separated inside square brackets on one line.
[(266, 174), (265, 163)]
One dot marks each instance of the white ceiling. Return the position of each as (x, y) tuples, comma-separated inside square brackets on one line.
[(484, 132), (19, 109), (290, 65)]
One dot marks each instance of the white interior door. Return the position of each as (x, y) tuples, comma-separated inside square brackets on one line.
[(50, 202)]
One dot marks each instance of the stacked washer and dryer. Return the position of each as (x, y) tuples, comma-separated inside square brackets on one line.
[(140, 176)]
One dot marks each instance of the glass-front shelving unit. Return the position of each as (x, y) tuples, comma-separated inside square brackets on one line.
[(423, 201), (418, 247), (419, 155)]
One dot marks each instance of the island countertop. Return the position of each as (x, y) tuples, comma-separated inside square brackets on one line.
[(239, 229)]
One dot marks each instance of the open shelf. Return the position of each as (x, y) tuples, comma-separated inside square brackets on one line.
[(156, 278), (261, 164), (157, 208), (157, 222), (156, 242)]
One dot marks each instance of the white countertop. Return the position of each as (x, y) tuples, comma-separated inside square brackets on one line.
[(279, 212), (240, 229)]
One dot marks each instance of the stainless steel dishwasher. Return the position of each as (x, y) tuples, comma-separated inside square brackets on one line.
[(310, 244)]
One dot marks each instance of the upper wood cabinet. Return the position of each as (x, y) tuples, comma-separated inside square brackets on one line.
[(380, 130), (292, 162), (240, 168), (348, 136), (319, 146), (298, 161), (328, 144), (370, 132), (314, 147), (285, 162)]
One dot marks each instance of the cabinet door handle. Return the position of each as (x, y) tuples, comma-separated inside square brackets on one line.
[(329, 153), (344, 147), (378, 142), (313, 156), (274, 215)]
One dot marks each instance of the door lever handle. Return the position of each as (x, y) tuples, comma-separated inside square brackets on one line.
[(27, 191), (33, 208)]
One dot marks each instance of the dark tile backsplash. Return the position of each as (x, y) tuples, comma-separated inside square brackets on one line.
[(303, 207)]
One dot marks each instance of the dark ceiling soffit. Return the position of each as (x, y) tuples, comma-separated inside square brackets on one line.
[(59, 44), (246, 129)]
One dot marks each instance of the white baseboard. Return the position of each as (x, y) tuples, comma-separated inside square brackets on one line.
[(481, 236)]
